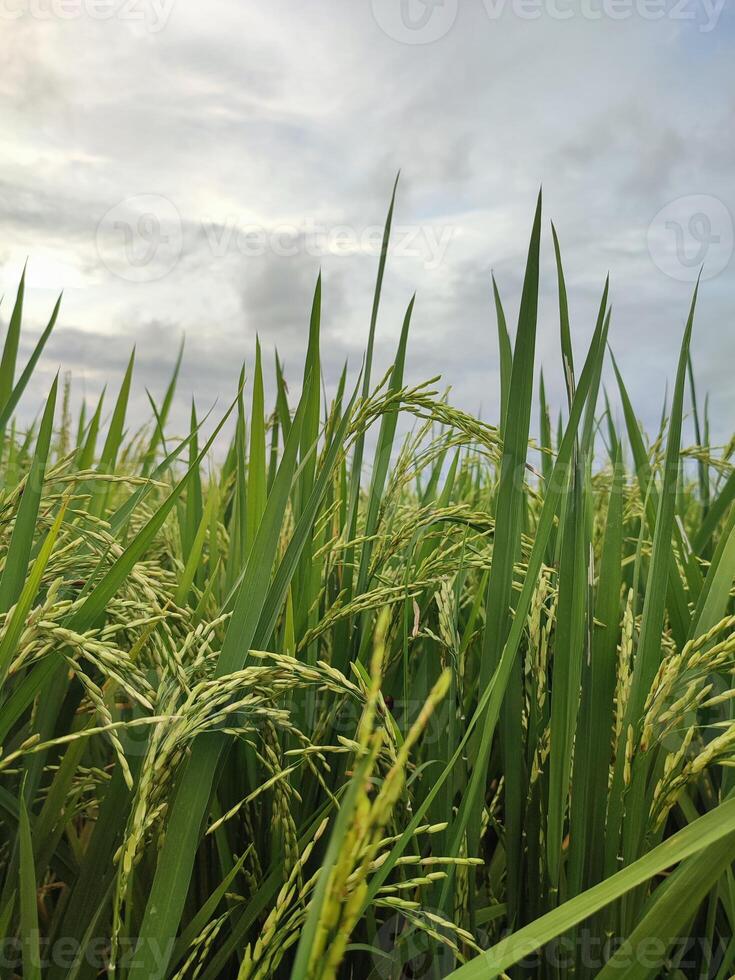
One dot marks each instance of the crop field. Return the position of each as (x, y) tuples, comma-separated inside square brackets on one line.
[(300, 695)]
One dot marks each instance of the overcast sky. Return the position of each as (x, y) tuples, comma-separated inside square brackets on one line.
[(187, 168)]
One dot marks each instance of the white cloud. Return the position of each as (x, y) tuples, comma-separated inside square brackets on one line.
[(282, 113)]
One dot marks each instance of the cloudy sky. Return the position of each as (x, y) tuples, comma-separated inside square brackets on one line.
[(187, 168)]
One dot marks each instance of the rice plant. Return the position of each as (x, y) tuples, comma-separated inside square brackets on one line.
[(348, 705)]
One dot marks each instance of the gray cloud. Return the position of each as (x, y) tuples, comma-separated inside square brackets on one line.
[(272, 114)]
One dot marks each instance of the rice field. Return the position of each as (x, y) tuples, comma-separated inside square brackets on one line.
[(349, 704)]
